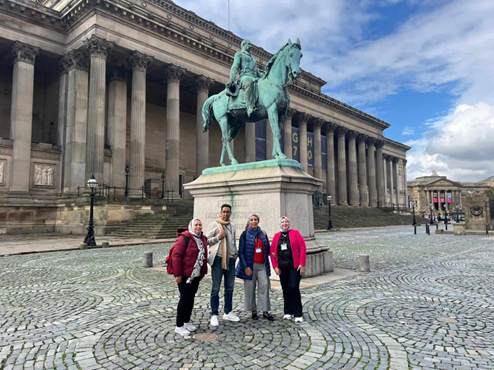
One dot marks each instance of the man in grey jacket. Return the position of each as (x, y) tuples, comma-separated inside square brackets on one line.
[(222, 254)]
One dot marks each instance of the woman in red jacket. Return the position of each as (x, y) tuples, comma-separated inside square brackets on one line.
[(189, 267), (288, 253)]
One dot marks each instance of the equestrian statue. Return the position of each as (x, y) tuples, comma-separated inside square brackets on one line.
[(254, 96)]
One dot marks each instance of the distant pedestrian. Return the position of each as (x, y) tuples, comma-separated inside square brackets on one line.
[(253, 267), (288, 253), (222, 256), (189, 267)]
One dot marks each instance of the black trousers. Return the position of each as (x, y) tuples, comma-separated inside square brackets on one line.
[(186, 302), (290, 283)]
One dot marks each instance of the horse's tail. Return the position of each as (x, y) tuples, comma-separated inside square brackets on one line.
[(207, 112)]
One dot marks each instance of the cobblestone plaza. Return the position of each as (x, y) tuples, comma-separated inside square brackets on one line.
[(427, 303)]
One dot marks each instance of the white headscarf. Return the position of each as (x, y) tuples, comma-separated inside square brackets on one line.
[(200, 256), (284, 230)]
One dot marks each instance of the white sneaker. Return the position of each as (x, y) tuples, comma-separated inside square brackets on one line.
[(230, 317), (182, 331), (299, 319), (189, 326), (287, 317), (214, 320)]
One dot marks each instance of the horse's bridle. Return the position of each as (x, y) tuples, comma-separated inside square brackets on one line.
[(290, 79)]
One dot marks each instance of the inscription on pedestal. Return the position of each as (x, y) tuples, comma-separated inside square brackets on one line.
[(43, 175)]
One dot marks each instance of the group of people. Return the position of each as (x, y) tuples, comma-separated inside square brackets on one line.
[(194, 249)]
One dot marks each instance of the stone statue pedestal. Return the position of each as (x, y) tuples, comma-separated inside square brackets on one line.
[(271, 189)]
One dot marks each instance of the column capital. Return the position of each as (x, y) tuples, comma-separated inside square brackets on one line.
[(174, 73), (203, 83), (379, 144), (139, 61), (116, 73), (404, 162), (387, 157), (290, 113), (330, 126), (77, 59), (24, 52), (362, 138), (394, 159), (63, 65), (302, 118), (371, 140), (317, 122), (98, 47), (341, 131), (352, 134)]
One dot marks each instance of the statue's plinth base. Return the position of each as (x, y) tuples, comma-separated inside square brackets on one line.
[(270, 189)]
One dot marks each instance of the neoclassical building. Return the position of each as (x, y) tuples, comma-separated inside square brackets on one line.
[(442, 194), (115, 88)]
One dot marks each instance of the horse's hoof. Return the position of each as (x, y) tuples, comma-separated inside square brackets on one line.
[(234, 162), (282, 156)]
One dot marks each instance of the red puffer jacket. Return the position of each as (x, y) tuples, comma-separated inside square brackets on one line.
[(184, 258)]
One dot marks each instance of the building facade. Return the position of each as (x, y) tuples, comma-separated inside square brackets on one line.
[(115, 89), (441, 194)]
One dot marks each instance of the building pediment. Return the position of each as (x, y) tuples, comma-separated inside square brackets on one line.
[(436, 183)]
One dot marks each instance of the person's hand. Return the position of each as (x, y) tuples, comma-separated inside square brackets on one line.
[(221, 235), (277, 270), (178, 279), (301, 269), (248, 271), (235, 256)]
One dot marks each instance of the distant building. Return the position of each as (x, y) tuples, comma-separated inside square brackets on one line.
[(442, 193)]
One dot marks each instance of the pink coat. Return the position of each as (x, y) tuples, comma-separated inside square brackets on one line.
[(297, 243)]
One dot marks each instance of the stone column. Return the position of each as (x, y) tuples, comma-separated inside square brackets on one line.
[(352, 167), (250, 142), (396, 182), (139, 63), (203, 84), (63, 66), (330, 174), (390, 178), (405, 181), (76, 128), (362, 170), (21, 118), (302, 125), (380, 174), (98, 49), (269, 141), (317, 123), (287, 137), (173, 75), (117, 122), (372, 171), (342, 188)]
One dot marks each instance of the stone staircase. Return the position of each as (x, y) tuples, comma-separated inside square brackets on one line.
[(158, 225), (353, 217)]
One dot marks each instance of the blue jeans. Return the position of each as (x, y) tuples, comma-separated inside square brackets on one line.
[(217, 274)]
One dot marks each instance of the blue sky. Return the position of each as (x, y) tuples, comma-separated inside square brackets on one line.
[(424, 66)]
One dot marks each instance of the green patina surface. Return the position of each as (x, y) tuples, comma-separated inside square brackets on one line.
[(286, 162)]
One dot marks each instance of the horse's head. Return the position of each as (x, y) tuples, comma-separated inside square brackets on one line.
[(294, 54)]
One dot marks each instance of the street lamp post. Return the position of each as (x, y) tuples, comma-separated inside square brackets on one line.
[(431, 220), (163, 185), (127, 170), (89, 239), (330, 222), (446, 218), (457, 213), (414, 221)]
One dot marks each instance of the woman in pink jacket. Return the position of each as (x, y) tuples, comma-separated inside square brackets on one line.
[(288, 253)]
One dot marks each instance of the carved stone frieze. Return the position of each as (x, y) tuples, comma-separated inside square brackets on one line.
[(24, 52), (139, 61), (98, 47), (45, 155), (44, 175), (203, 83), (174, 73), (117, 73), (6, 151)]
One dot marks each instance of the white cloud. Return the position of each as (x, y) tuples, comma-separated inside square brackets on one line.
[(458, 145), (408, 131)]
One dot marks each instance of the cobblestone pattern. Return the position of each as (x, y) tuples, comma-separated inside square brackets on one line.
[(99, 309)]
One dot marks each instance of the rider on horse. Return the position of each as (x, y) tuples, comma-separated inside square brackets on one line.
[(245, 63)]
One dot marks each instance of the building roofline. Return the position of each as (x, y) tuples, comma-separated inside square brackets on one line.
[(396, 144)]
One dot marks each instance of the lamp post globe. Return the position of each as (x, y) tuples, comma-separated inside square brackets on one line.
[(89, 239)]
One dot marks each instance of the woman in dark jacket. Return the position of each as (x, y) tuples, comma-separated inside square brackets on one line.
[(254, 269), (288, 254), (189, 261)]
